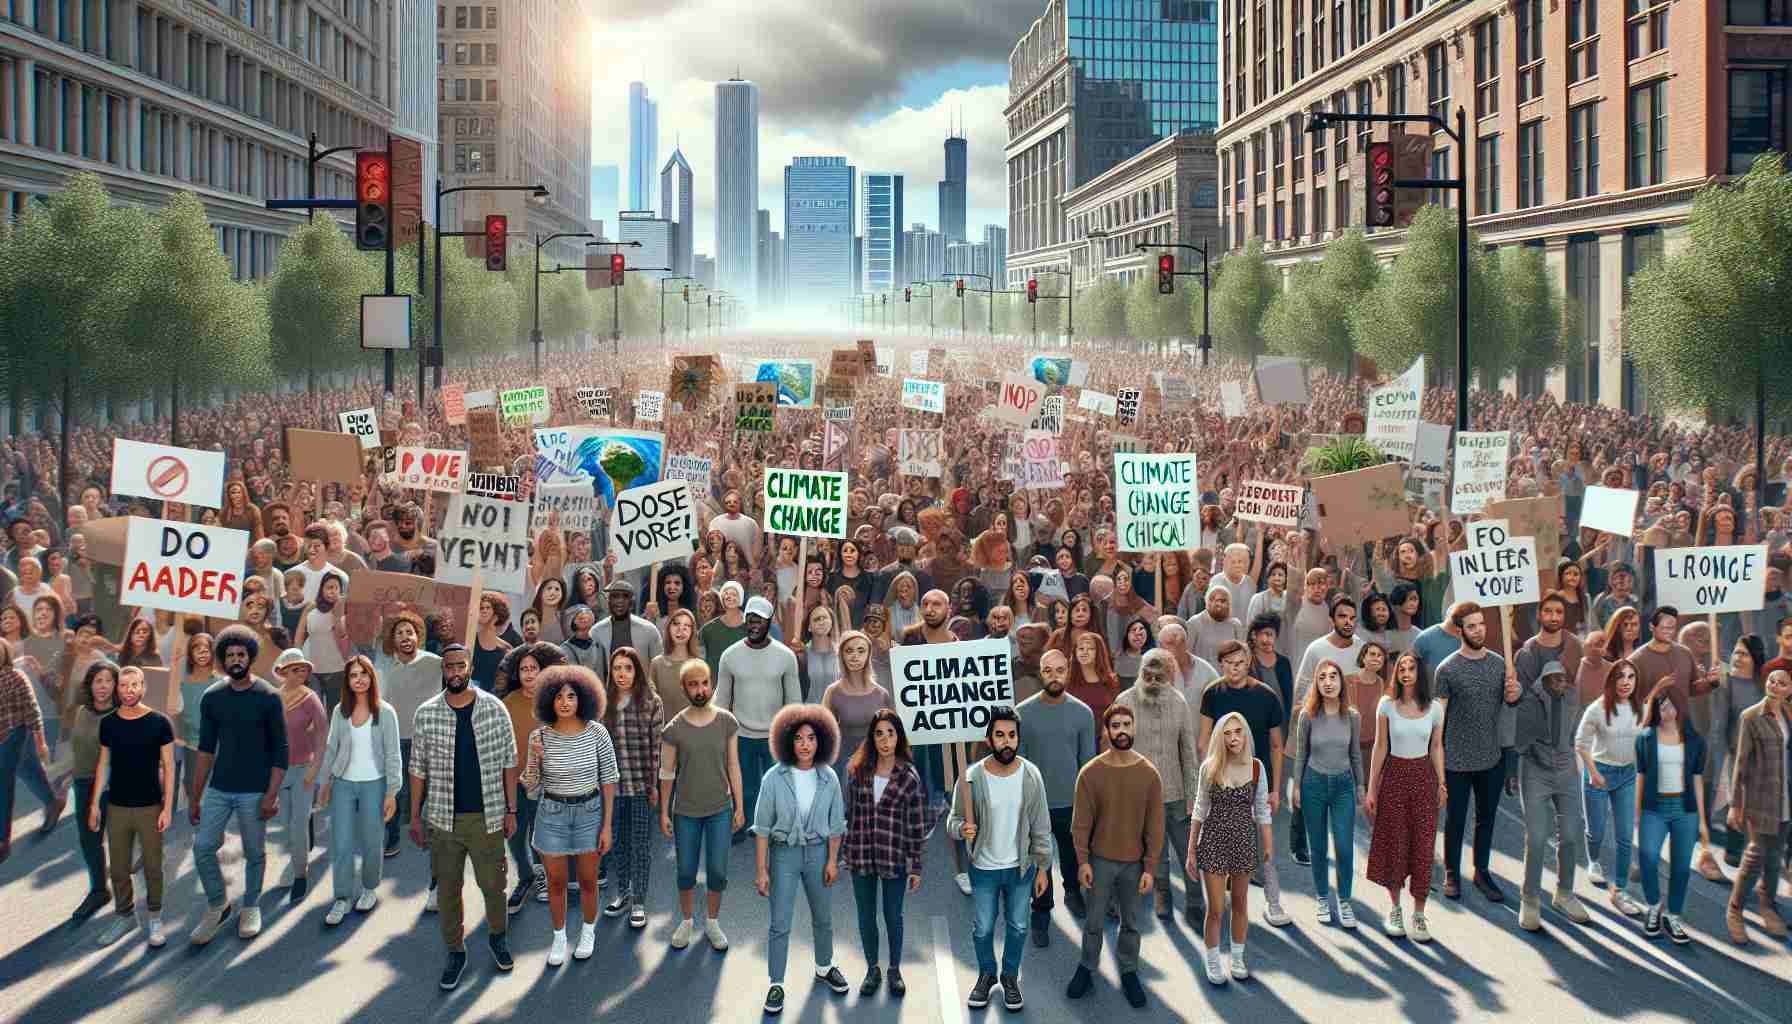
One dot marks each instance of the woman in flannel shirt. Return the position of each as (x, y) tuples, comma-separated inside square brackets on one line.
[(886, 830), (636, 716)]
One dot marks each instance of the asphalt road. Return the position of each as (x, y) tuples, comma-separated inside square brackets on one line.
[(382, 967)]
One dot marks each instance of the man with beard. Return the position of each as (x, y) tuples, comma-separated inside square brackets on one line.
[(934, 628), (409, 675), (908, 545), (1057, 732), (623, 628), (241, 762), (1475, 685), (936, 609), (1118, 828), (1164, 734), (999, 811), (700, 801), (1028, 642), (742, 530), (1549, 778), (755, 678), (411, 539), (379, 550), (136, 760), (1216, 623), (465, 743), (278, 516)]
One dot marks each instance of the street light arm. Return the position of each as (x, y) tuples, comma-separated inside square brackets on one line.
[(537, 190), (1320, 121)]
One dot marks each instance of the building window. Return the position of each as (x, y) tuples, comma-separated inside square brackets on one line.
[(1487, 175), (1318, 34), (1583, 151), (1487, 67), (460, 53), (1259, 25), (1281, 234), (1297, 147), (1361, 9), (1582, 295), (491, 90), (1343, 203), (1760, 12), (1259, 220), (1530, 49), (1440, 168), (1297, 21), (476, 15), (460, 17), (1318, 141), (1275, 153), (475, 96), (1757, 115), (1530, 165), (1338, 26), (1341, 140), (1389, 14), (491, 54), (1437, 82), (1259, 166), (1396, 88), (1277, 39), (1583, 39), (1319, 212), (491, 17), (473, 55), (1648, 26), (1648, 135), (1365, 104), (1299, 205), (460, 89)]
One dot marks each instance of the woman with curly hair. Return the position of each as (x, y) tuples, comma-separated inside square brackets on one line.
[(799, 822), (885, 834), (635, 718)]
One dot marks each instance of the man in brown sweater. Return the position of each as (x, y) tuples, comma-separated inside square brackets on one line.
[(1117, 826)]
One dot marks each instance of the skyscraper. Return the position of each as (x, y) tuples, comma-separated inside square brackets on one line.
[(737, 188), (952, 189), (643, 146), (882, 230), (818, 227), (606, 193), (923, 254), (676, 203), (996, 238)]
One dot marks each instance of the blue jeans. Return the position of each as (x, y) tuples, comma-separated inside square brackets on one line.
[(18, 755), (215, 811), (1330, 799), (1016, 885), (403, 817), (793, 868), (356, 827), (1615, 803), (704, 839), (519, 840), (93, 844), (865, 891), (755, 761), (1679, 828)]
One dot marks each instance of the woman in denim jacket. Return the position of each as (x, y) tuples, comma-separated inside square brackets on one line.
[(799, 821), (361, 766), (1670, 798)]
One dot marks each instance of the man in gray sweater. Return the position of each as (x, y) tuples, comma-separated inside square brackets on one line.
[(1549, 770), (1215, 625), (755, 678), (1057, 734), (1167, 737), (624, 628)]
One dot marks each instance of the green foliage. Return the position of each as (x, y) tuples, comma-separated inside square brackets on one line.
[(1310, 319), (1346, 455), (314, 299), (1532, 312), (1155, 318), (1705, 324), (1102, 310), (1242, 293), (565, 305)]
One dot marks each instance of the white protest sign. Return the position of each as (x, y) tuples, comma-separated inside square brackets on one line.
[(1394, 412), (923, 395), (1018, 398), (1232, 399), (1040, 468), (1051, 415), (1430, 453), (652, 524), (920, 452), (184, 567), (945, 693), (1609, 510), (1157, 507), (805, 502), (1731, 578), (554, 444), (1282, 380), (431, 469), (494, 485), (1127, 406), (1486, 533), (364, 424), (1051, 585), (1096, 402), (1480, 475), (885, 359), (917, 362), (487, 537), (167, 473), (1260, 501), (693, 470), (1504, 574), (574, 500), (650, 406), (840, 413), (480, 399), (1079, 373)]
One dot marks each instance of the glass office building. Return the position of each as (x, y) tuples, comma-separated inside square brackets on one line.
[(882, 231), (819, 228)]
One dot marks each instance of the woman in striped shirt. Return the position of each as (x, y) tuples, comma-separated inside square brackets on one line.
[(571, 765), (635, 719)]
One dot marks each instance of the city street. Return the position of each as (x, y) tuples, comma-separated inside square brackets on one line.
[(383, 966)]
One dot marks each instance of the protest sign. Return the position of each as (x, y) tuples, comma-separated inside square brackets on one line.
[(1232, 399), (1393, 424), (794, 380), (805, 503), (615, 459), (1126, 402), (1040, 468), (554, 444), (1540, 518), (1609, 510), (1730, 578), (1275, 504), (485, 541), (842, 413), (920, 452), (946, 693), (1175, 389), (166, 473), (364, 424), (1362, 505), (1480, 475), (485, 436), (1051, 585), (1125, 442), (917, 362), (494, 485), (870, 357), (755, 405), (1017, 400), (595, 401), (1282, 380), (432, 469), (573, 499), (454, 404), (1096, 402), (184, 567), (480, 399), (846, 364), (1051, 415), (924, 395), (376, 593), (1429, 453), (694, 471), (650, 406), (652, 524), (322, 455), (1497, 575), (836, 444), (518, 404), (1486, 533), (1156, 502)]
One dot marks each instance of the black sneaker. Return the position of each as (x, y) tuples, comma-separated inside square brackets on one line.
[(1041, 929), (774, 1000), (1652, 920), (1011, 1000), (451, 972), (391, 850), (979, 996), (874, 980), (836, 980), (519, 894), (603, 879), (618, 906), (1675, 930), (300, 886), (91, 905), (1303, 858), (1080, 983), (898, 987), (501, 952), (1135, 992)]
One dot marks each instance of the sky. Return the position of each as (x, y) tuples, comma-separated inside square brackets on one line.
[(878, 82)]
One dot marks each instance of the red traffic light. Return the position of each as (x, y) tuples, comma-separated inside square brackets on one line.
[(1166, 274), (907, 295), (497, 226), (373, 200), (1379, 201), (1032, 289), (617, 267)]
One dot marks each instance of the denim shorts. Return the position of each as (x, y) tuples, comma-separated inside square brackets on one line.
[(562, 830)]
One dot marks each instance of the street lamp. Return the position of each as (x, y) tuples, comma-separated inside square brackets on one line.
[(535, 332), (1320, 121), (538, 194), (663, 280), (1205, 342)]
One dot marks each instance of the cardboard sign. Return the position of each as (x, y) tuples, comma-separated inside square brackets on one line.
[(167, 473), (1275, 504), (755, 406), (846, 364), (945, 693), (917, 362), (1496, 576), (1540, 518), (650, 406), (1282, 381), (923, 395), (520, 404), (1157, 506), (184, 567), (488, 539), (868, 357), (376, 593), (1126, 402), (1040, 468), (1609, 510), (364, 424), (454, 404), (1096, 402), (1363, 505), (322, 455), (652, 524), (486, 436), (1176, 390), (595, 401), (1393, 424), (432, 469), (1018, 399), (1232, 399), (836, 444), (1730, 578), (1480, 476), (920, 452), (694, 471), (805, 503), (1051, 415), (573, 499), (494, 485)]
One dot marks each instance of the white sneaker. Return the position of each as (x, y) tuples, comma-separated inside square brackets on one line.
[(1324, 913), (1346, 915), (1395, 923), (121, 925), (713, 930), (587, 942), (557, 951), (964, 882), (1239, 971), (367, 901), (1626, 904), (1276, 916), (1596, 874), (1215, 973), (338, 911), (157, 935), (248, 924), (429, 904), (1419, 931), (681, 935)]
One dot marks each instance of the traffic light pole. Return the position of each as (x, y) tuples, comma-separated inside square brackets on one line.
[(535, 331), (989, 291), (435, 336), (663, 280), (1205, 342)]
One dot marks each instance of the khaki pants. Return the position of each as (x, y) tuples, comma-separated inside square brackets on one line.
[(123, 825), (449, 853)]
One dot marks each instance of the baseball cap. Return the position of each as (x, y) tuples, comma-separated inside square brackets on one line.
[(759, 606)]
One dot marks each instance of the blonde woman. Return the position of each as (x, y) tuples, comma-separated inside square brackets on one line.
[(1231, 799), (855, 697), (663, 671)]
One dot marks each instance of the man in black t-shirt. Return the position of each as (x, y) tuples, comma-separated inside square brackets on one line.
[(1261, 707), (137, 764)]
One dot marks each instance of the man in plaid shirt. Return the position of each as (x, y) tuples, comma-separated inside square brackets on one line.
[(21, 722), (464, 742)]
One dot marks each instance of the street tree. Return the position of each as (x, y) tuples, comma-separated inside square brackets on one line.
[(1310, 318), (1411, 310), (1103, 312), (314, 301), (1242, 292)]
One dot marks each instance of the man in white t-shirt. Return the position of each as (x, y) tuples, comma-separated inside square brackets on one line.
[(742, 530), (1340, 645), (317, 561)]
